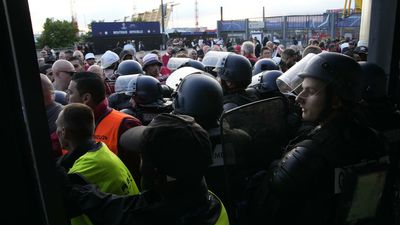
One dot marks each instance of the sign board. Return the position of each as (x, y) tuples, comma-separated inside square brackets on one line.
[(124, 28)]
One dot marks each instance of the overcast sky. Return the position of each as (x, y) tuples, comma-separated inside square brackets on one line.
[(183, 12)]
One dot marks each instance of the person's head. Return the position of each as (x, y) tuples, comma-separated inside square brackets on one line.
[(263, 65), (247, 48), (266, 53), (63, 70), (77, 63), (78, 54), (87, 88), (332, 85), (97, 70), (68, 54), (90, 59), (47, 70), (127, 54), (152, 65), (199, 95), (75, 125), (109, 60), (234, 73), (289, 57), (47, 90), (145, 90), (374, 81), (193, 54), (174, 149), (311, 49)]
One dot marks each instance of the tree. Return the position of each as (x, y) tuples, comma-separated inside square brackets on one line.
[(58, 34)]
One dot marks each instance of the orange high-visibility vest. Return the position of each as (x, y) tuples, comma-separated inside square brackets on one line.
[(107, 130)]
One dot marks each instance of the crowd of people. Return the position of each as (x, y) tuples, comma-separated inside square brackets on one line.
[(151, 138)]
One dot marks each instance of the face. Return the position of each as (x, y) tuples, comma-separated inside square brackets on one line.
[(73, 95), (153, 70), (266, 54), (78, 67), (312, 99)]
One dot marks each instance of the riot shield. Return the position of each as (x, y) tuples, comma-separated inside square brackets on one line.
[(264, 122)]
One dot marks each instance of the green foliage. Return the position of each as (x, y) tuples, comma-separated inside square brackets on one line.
[(58, 34)]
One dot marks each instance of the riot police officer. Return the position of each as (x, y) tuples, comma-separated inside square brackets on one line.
[(200, 95), (146, 98), (234, 74), (302, 183)]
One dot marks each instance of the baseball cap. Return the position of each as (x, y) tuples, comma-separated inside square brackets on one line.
[(175, 144), (150, 59), (108, 58), (89, 56)]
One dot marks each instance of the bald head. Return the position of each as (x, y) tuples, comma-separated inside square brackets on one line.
[(97, 70), (62, 65)]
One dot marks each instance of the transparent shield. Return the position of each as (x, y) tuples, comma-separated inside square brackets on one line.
[(289, 82), (214, 58), (122, 83), (174, 63), (176, 77)]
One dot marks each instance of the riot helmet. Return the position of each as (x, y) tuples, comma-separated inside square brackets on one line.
[(266, 81), (234, 68), (127, 67), (199, 95), (263, 65), (374, 80), (193, 63), (340, 72), (145, 90)]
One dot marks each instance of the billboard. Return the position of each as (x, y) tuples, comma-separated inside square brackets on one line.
[(233, 25), (108, 29)]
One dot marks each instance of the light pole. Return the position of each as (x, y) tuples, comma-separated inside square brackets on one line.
[(162, 25)]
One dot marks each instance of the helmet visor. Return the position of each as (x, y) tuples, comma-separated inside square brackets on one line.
[(290, 82)]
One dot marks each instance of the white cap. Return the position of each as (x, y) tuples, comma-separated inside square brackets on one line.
[(89, 56), (108, 58), (276, 41)]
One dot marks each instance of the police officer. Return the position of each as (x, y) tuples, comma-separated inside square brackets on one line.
[(147, 99), (234, 74), (200, 95), (300, 186)]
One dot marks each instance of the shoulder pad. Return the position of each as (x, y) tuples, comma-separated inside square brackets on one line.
[(297, 171)]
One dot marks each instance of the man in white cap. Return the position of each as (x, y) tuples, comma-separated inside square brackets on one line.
[(63, 70), (90, 60), (109, 63)]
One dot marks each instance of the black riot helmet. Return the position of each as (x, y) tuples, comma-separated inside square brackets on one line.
[(263, 65), (267, 81), (199, 95), (193, 63), (374, 80), (340, 72), (145, 90), (235, 68), (127, 67)]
